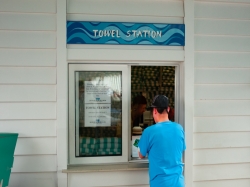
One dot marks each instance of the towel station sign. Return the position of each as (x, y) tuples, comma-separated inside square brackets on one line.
[(116, 33)]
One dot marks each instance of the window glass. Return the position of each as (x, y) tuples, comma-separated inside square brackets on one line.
[(98, 106)]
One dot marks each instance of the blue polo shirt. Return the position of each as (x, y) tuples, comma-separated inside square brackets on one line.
[(164, 143)]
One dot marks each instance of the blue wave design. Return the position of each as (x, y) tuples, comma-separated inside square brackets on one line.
[(83, 33), (123, 26)]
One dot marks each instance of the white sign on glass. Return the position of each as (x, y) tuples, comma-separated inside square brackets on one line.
[(97, 104), (97, 92), (97, 115)]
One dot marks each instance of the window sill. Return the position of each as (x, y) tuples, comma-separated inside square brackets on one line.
[(130, 166)]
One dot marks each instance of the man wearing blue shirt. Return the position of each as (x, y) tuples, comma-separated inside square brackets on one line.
[(164, 143)]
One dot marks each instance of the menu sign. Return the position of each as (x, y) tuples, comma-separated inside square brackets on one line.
[(97, 104)]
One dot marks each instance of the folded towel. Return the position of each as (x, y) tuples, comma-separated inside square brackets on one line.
[(87, 140), (100, 140), (102, 146), (108, 153), (109, 146), (86, 150), (109, 140), (88, 146)]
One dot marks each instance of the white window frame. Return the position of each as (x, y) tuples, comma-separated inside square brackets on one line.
[(73, 160)]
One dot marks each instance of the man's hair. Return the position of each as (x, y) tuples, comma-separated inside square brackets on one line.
[(161, 110), (140, 100)]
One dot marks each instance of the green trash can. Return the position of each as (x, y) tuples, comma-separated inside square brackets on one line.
[(7, 148)]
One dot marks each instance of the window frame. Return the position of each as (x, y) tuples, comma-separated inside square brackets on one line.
[(73, 160)]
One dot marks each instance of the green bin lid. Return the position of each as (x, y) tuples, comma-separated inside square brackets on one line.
[(8, 143), (7, 148)]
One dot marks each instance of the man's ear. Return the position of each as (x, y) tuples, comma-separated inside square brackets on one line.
[(168, 109), (155, 110)]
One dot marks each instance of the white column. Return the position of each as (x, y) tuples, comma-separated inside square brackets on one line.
[(189, 89), (62, 95)]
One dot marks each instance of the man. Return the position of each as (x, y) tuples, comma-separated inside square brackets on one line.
[(138, 108), (164, 143)]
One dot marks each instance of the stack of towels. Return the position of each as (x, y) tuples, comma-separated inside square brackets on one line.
[(100, 146)]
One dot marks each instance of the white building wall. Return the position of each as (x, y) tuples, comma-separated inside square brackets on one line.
[(222, 94), (146, 11), (28, 88)]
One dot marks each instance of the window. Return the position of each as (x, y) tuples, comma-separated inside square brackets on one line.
[(97, 114), (150, 81), (100, 99)]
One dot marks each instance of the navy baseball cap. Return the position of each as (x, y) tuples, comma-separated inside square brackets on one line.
[(159, 101)]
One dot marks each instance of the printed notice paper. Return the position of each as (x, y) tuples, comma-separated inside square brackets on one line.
[(97, 104), (97, 115), (97, 92)]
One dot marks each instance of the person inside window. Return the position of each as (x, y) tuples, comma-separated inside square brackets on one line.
[(139, 105)]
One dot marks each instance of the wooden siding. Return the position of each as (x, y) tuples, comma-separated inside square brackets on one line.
[(129, 7), (29, 93), (222, 91), (47, 179), (221, 140), (222, 43), (222, 27), (121, 18), (221, 172), (30, 110), (27, 75), (218, 10), (222, 156), (222, 124), (34, 146), (213, 108), (221, 59), (27, 6), (214, 76), (34, 163), (36, 128), (21, 21), (121, 178), (222, 94), (28, 88), (27, 39), (27, 57), (228, 1), (220, 183)]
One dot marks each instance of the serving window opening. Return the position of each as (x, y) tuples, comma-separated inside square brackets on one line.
[(149, 81), (101, 128)]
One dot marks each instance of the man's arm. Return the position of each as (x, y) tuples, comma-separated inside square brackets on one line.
[(140, 155)]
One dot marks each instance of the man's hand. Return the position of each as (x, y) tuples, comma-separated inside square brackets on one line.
[(139, 153)]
